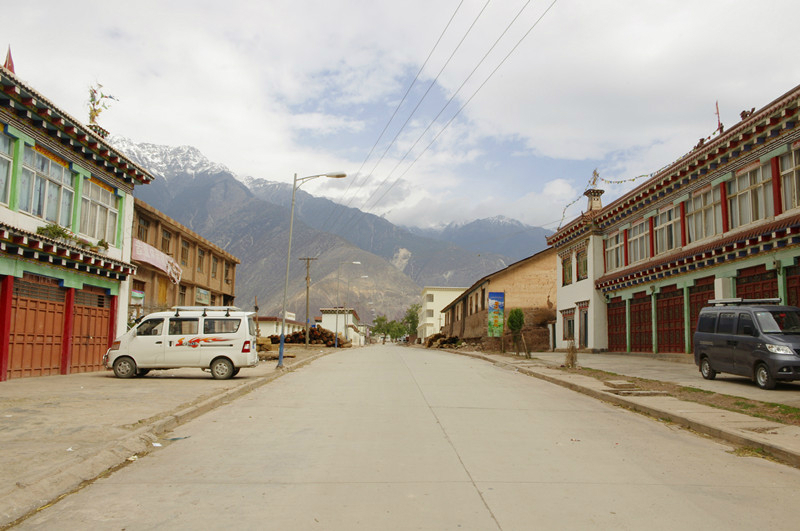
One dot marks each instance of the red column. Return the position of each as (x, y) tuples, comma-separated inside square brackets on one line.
[(723, 197), (605, 263), (112, 324), (776, 185), (652, 237), (684, 230), (6, 292), (69, 323)]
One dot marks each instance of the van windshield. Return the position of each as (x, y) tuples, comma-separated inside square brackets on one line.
[(779, 321)]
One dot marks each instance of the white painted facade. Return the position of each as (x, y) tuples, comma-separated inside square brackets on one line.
[(433, 301)]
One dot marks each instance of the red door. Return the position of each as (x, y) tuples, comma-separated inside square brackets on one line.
[(793, 286), (641, 323), (90, 329), (617, 341), (757, 283), (699, 295), (37, 327), (669, 319)]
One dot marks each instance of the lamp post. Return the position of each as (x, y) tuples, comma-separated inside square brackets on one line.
[(338, 275), (297, 183)]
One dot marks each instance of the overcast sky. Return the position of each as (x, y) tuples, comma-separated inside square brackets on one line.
[(274, 88)]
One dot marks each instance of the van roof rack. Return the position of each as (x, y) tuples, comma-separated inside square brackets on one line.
[(740, 301), (206, 309)]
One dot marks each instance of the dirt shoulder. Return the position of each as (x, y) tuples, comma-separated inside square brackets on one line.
[(766, 410)]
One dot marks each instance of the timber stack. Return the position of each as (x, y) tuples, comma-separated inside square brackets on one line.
[(316, 336)]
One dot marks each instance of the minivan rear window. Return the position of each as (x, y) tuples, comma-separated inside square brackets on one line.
[(221, 326)]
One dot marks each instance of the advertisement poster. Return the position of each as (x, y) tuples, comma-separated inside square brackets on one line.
[(496, 303)]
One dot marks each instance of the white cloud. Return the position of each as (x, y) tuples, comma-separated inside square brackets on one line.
[(281, 87)]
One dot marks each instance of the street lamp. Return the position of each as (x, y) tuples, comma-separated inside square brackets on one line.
[(295, 186), (338, 275)]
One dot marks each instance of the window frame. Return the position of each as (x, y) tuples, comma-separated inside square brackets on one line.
[(36, 182), (103, 202), (750, 191), (639, 242), (667, 230)]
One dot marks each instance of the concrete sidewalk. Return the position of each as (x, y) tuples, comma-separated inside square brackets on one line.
[(778, 440), (57, 432)]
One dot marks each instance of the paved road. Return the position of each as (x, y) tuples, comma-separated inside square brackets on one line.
[(394, 438)]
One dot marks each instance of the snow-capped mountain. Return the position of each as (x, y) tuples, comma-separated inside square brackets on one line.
[(167, 161)]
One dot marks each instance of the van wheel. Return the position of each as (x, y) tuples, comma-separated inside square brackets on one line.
[(142, 372), (236, 371), (124, 367), (763, 378), (221, 369), (706, 370)]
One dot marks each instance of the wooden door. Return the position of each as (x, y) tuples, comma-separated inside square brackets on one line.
[(37, 327), (90, 329), (641, 323), (669, 319)]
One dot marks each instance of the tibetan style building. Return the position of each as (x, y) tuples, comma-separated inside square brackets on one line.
[(722, 221), (66, 212)]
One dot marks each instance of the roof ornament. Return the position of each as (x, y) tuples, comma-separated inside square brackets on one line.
[(9, 64), (98, 102)]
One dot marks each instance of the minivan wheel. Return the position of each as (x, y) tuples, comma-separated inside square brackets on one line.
[(124, 367), (221, 369), (763, 378), (706, 370)]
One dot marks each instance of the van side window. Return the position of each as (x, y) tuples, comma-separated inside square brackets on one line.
[(727, 323), (707, 323), (745, 320), (221, 326), (150, 327), (184, 325)]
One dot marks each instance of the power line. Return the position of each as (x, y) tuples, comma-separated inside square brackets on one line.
[(386, 127), (513, 49), (427, 91)]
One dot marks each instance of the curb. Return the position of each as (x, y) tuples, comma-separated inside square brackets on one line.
[(779, 452), (61, 480)]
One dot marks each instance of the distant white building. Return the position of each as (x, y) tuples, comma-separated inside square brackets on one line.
[(431, 318), (345, 321)]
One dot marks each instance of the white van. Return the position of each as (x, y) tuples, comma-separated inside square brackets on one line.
[(219, 338)]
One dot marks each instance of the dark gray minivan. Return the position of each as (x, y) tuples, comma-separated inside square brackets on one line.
[(757, 338)]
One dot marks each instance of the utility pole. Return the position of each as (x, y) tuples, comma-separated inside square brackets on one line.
[(308, 288)]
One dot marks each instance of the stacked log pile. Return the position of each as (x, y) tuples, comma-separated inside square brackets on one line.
[(316, 336)]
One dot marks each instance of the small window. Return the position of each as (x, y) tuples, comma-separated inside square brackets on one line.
[(221, 326), (150, 327), (179, 326), (429, 297), (214, 266), (166, 241), (583, 265), (144, 229), (429, 313), (727, 323), (182, 296), (707, 323), (745, 321), (184, 253), (201, 260), (566, 271)]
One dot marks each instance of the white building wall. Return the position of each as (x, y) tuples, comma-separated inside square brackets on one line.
[(570, 295), (442, 296)]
